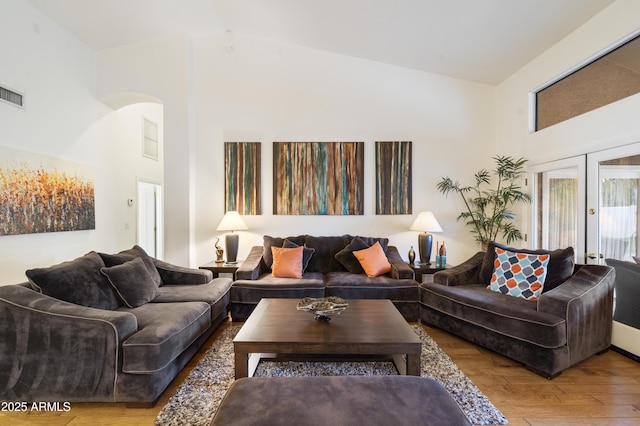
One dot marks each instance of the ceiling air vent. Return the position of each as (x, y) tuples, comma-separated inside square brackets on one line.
[(11, 97)]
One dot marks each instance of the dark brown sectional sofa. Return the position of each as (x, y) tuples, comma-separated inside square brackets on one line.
[(119, 327)]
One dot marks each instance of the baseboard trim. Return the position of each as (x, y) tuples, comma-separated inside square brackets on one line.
[(625, 353)]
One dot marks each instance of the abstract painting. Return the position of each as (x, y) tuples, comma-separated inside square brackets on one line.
[(242, 177), (393, 178), (44, 194), (318, 178)]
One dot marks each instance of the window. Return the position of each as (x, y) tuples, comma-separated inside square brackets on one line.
[(609, 77), (149, 139)]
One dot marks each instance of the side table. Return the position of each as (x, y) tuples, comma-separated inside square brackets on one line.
[(221, 268), (428, 269)]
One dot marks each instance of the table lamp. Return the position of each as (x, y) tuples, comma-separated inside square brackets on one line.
[(231, 222), (425, 222)]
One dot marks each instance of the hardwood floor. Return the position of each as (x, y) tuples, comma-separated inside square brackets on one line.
[(603, 390)]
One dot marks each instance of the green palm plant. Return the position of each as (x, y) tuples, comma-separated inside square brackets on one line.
[(488, 205)]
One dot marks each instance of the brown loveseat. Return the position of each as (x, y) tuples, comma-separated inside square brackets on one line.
[(105, 327), (569, 322), (332, 270)]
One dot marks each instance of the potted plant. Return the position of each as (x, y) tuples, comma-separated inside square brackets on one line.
[(488, 203)]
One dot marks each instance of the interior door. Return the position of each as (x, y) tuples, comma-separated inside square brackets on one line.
[(150, 218), (558, 199), (613, 180)]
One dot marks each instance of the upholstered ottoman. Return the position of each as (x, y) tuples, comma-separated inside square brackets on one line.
[(343, 400)]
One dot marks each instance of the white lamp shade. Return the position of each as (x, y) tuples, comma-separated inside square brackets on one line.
[(426, 222), (231, 222)]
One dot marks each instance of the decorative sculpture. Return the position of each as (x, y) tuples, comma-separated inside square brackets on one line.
[(324, 307), (219, 252)]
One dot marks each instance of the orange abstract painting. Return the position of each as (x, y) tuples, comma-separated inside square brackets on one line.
[(43, 194)]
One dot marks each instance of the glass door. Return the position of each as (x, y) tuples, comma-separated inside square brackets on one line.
[(613, 180), (558, 199)]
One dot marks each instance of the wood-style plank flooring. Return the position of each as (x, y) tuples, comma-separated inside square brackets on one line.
[(603, 390)]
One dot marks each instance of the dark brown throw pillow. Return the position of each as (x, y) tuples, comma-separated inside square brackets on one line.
[(130, 254), (370, 241), (307, 252), (559, 269), (348, 259), (77, 281), (131, 282), (269, 242)]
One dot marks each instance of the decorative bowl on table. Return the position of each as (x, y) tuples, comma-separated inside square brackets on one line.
[(323, 308)]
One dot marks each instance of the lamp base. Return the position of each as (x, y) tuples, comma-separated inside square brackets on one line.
[(231, 244), (425, 243)]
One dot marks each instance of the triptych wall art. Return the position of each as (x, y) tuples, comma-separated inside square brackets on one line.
[(319, 178), (44, 194)]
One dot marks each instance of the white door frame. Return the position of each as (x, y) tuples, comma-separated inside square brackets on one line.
[(142, 214), (578, 162)]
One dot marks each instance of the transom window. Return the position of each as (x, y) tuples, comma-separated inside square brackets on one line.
[(608, 77)]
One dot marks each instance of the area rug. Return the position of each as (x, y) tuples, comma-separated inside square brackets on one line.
[(197, 399)]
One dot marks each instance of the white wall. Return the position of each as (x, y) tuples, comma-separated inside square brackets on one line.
[(265, 91), (610, 126), (63, 119), (160, 69), (127, 164), (268, 91)]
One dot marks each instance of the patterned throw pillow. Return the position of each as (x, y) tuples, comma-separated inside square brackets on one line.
[(519, 274), (561, 264)]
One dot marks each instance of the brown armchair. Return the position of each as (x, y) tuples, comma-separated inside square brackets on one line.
[(568, 323)]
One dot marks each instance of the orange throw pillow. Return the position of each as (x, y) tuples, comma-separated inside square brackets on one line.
[(373, 260), (287, 262)]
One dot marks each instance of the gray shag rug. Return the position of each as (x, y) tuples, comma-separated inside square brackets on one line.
[(197, 399)]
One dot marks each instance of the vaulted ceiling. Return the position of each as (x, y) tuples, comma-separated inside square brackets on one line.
[(477, 40)]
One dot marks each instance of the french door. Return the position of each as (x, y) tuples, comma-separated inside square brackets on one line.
[(589, 202), (613, 180), (559, 200)]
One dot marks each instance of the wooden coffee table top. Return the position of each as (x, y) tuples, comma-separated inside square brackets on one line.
[(366, 326)]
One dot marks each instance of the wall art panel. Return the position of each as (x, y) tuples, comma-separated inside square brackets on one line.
[(41, 194), (318, 178), (242, 177), (393, 178)]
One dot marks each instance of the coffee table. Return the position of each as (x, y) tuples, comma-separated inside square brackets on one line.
[(367, 328)]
